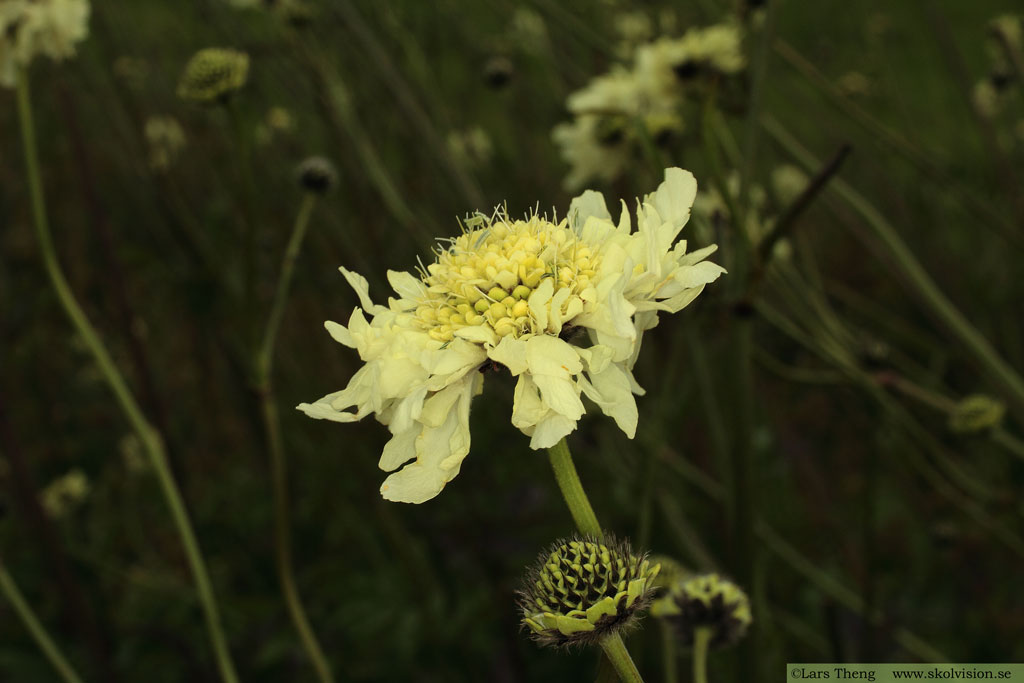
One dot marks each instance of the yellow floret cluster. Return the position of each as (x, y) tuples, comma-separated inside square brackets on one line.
[(487, 275)]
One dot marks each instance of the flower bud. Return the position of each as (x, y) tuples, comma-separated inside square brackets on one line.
[(498, 71), (705, 601), (213, 74), (317, 175), (976, 414), (583, 590)]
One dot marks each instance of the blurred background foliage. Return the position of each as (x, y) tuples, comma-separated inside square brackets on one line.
[(874, 531)]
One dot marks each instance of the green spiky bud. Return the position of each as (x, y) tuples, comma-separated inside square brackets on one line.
[(705, 601), (672, 572), (317, 175), (976, 414), (582, 590), (213, 74)]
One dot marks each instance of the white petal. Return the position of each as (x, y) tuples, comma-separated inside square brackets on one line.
[(511, 353), (527, 408), (481, 334), (362, 287), (595, 357), (674, 197), (400, 449), (562, 395), (697, 256), (406, 411), (588, 204), (406, 285), (322, 411), (551, 431), (699, 274), (439, 449), (612, 392), (552, 356), (538, 302), (340, 333), (555, 310)]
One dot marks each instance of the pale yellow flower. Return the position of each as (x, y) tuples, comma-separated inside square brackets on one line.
[(616, 111), (29, 28), (166, 139), (471, 147), (561, 304), (601, 140), (988, 100), (668, 65), (65, 493), (789, 182)]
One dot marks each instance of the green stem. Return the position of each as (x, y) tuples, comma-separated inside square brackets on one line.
[(586, 521), (242, 156), (752, 124), (616, 652), (275, 444), (148, 436), (35, 627), (986, 356), (701, 639), (572, 490), (668, 652), (266, 349), (801, 564)]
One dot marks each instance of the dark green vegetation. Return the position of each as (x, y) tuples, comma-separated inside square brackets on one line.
[(825, 480)]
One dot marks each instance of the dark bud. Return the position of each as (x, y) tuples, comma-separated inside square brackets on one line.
[(317, 175), (1000, 81), (611, 130), (687, 70), (875, 353), (498, 71), (743, 309), (664, 137)]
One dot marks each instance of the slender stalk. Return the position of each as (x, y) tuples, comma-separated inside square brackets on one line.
[(668, 653), (35, 627), (149, 437), (406, 99), (986, 356), (275, 444), (825, 582), (616, 652), (701, 639), (572, 490), (73, 605), (265, 357), (248, 188), (752, 128), (896, 142)]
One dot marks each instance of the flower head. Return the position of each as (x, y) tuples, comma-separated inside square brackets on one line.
[(29, 28), (561, 304), (705, 601), (582, 590), (213, 74)]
